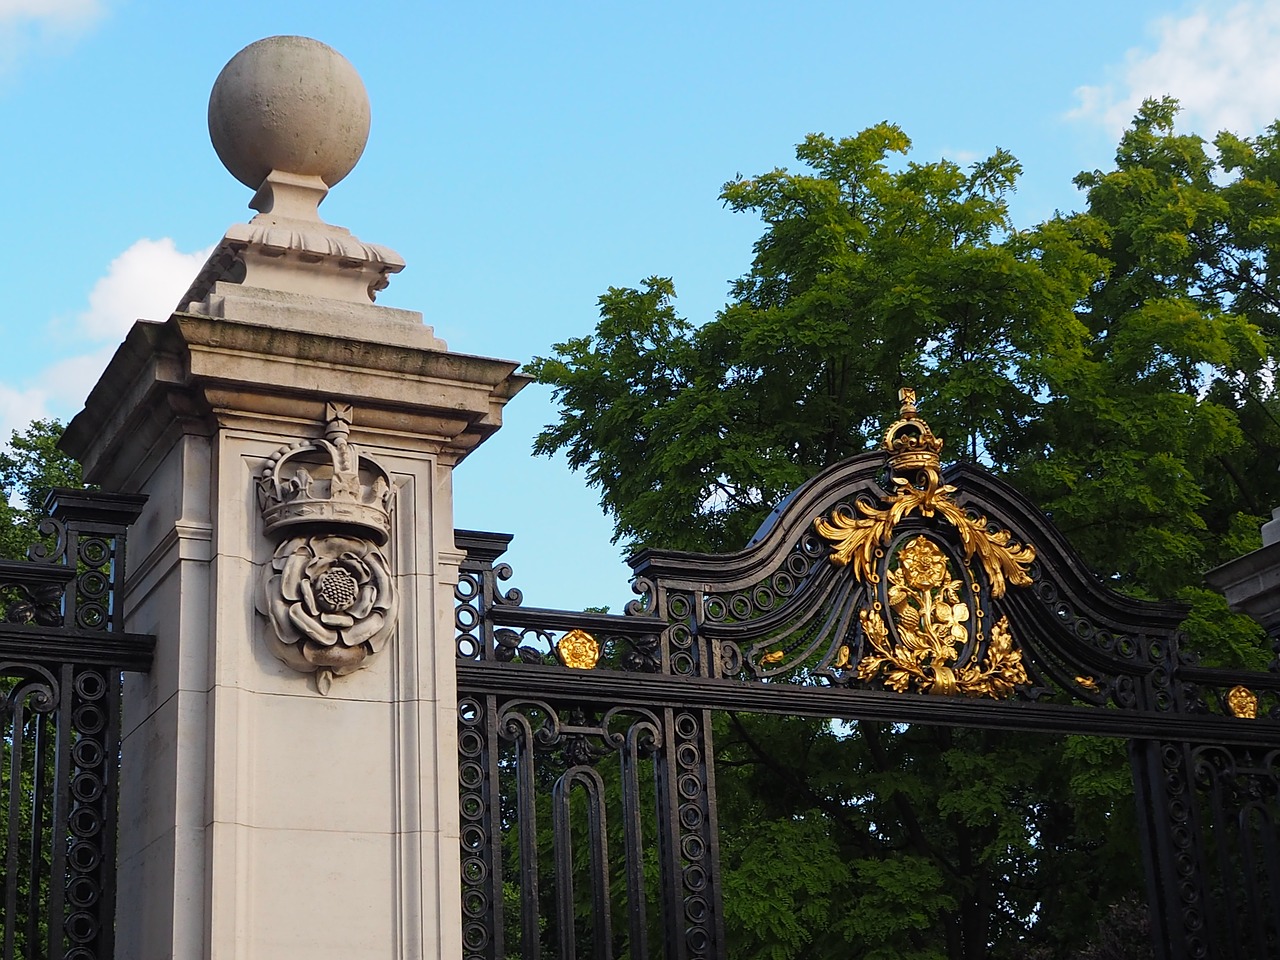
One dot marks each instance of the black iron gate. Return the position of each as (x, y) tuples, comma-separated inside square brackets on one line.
[(588, 793), (62, 651)]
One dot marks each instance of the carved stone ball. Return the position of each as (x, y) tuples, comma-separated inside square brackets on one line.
[(291, 104)]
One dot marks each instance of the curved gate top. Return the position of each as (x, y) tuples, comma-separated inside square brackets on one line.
[(885, 588)]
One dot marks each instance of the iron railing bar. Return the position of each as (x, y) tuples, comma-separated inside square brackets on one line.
[(110, 811), (633, 840), (1271, 850), (91, 648), (527, 827), (507, 615), (493, 801), (562, 847), (665, 779), (597, 830), (39, 805), (61, 811), (713, 833), (1216, 676), (1249, 868), (13, 820), (1222, 831), (616, 687)]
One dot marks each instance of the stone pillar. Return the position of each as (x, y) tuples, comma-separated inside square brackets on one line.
[(1251, 584), (289, 765)]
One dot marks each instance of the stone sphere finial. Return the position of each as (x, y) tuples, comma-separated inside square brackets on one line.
[(291, 105)]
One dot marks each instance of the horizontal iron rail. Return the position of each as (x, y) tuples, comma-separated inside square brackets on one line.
[(504, 615), (35, 573), (97, 648), (1218, 676), (838, 703)]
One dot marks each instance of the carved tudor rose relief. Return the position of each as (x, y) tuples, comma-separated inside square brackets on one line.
[(328, 591)]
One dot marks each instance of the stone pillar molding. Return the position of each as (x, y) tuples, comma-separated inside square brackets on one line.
[(1251, 585), (260, 820)]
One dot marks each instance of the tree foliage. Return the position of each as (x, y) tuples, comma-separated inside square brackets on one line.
[(1117, 364), (31, 467)]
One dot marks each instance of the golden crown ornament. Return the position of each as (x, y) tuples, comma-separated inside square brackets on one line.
[(328, 591)]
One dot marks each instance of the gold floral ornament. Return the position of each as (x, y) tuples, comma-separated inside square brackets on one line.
[(933, 630), (914, 455), (934, 624), (1243, 703), (578, 649)]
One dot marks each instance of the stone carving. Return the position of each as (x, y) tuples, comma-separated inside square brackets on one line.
[(328, 591)]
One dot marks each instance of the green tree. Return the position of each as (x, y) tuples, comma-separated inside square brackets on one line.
[(1117, 364), (866, 278), (31, 467)]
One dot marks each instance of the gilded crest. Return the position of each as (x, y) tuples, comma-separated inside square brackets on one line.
[(933, 640)]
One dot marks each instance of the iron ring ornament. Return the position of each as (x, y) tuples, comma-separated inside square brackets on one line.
[(925, 627), (328, 592)]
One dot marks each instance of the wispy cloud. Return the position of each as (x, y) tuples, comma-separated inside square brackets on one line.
[(60, 12), (1220, 62), (26, 25), (143, 282)]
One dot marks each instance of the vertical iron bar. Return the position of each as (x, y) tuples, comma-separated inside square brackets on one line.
[(1249, 871), (562, 845), (70, 597), (13, 820), (1222, 833), (61, 805), (1157, 850), (715, 895), (1271, 854), (493, 801), (527, 828), (110, 784), (633, 840), (37, 840), (669, 840), (602, 920)]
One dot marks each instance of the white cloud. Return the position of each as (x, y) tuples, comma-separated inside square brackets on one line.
[(69, 381), (144, 282), (60, 12), (19, 407), (1220, 63), (27, 25)]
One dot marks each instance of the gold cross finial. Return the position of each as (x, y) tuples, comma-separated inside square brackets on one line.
[(907, 397)]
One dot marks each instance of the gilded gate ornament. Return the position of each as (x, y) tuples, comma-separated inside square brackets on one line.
[(1242, 702), (937, 615), (328, 591)]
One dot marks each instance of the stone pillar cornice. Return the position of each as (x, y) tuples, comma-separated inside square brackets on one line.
[(1251, 585), (195, 373)]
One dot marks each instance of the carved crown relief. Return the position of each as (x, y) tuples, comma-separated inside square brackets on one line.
[(328, 591)]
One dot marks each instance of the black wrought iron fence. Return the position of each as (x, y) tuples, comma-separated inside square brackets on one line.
[(63, 649)]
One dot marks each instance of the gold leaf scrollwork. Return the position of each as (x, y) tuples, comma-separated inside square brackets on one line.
[(854, 539), (932, 618), (915, 452)]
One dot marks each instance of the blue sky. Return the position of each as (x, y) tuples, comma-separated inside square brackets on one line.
[(526, 156)]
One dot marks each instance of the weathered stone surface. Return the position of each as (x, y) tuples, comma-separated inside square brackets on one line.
[(291, 104), (1251, 585), (259, 820)]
